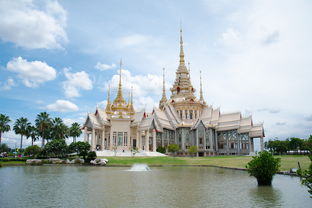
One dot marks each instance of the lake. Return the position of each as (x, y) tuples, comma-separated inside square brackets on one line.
[(86, 186)]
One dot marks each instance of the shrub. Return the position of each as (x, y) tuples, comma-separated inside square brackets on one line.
[(306, 177), (161, 150), (56, 148), (193, 150), (4, 148), (263, 167), (82, 148), (91, 156), (173, 148), (32, 151)]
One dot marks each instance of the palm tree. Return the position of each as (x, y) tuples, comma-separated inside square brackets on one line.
[(43, 125), (4, 124), (75, 131), (32, 133), (21, 126), (59, 129)]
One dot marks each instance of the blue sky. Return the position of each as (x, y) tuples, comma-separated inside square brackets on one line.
[(60, 57)]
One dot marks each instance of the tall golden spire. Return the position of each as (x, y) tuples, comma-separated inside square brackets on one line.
[(189, 69), (182, 62), (108, 105), (201, 89), (119, 99), (163, 99), (131, 108)]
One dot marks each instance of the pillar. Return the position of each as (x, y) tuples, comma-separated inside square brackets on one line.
[(216, 139), (261, 144), (147, 141), (227, 144), (129, 140), (137, 139), (140, 140), (210, 139), (85, 135), (250, 146), (154, 140), (111, 140), (197, 141), (93, 140), (103, 138)]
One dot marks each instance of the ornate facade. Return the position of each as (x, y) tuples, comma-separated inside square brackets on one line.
[(182, 119)]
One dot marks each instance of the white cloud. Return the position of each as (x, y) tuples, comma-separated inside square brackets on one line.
[(62, 106), (102, 104), (75, 82), (8, 84), (103, 67), (28, 26), (32, 73), (132, 40)]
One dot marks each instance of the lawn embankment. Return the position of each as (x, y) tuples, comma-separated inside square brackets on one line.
[(287, 161)]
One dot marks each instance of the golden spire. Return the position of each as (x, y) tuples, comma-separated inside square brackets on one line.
[(189, 69), (181, 49), (201, 89), (108, 105), (131, 109), (119, 99), (164, 97)]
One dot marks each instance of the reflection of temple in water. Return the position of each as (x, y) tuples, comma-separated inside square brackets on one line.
[(182, 119)]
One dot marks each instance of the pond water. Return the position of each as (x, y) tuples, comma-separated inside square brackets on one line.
[(83, 186)]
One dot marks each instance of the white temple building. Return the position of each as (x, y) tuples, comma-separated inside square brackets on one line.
[(182, 119)]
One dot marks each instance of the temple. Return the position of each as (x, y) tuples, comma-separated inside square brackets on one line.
[(182, 119)]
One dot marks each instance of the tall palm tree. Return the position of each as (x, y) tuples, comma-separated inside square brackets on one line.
[(4, 124), (21, 126), (43, 125), (75, 131), (32, 133), (59, 129)]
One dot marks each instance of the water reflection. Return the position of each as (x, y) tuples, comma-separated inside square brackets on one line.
[(266, 195)]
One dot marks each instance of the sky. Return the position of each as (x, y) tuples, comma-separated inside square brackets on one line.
[(60, 57)]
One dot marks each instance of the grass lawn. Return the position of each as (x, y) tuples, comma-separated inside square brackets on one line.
[(12, 163), (287, 161)]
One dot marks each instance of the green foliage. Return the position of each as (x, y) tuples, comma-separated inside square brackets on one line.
[(75, 131), (32, 133), (32, 151), (264, 167), (4, 148), (58, 129), (161, 149), (9, 159), (43, 125), (173, 148), (91, 156), (4, 124), (134, 150), (306, 177), (82, 148), (291, 144), (193, 150), (21, 126), (55, 148)]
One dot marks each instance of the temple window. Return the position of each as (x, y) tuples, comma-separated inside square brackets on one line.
[(125, 136), (114, 138), (185, 114), (195, 112), (120, 135), (191, 114), (181, 114)]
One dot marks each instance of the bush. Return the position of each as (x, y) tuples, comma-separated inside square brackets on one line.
[(306, 177), (4, 148), (161, 150), (32, 151), (91, 156), (264, 167), (55, 148), (8, 159), (193, 150), (173, 148), (82, 148)]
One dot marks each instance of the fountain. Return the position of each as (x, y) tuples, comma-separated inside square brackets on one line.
[(139, 167)]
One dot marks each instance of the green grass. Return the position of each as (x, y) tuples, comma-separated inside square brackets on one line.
[(12, 163), (287, 162)]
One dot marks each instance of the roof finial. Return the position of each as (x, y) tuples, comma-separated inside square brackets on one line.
[(108, 105), (181, 49), (164, 97), (119, 98), (201, 89)]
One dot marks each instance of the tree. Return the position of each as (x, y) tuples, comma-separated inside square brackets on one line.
[(193, 150), (32, 133), (56, 148), (82, 148), (21, 126), (59, 130), (173, 148), (295, 144), (75, 131), (43, 125), (4, 125), (32, 151), (264, 167), (4, 148), (306, 176)]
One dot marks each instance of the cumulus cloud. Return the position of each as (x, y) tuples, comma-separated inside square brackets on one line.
[(8, 84), (32, 73), (103, 67), (132, 40), (75, 82), (27, 25), (62, 106)]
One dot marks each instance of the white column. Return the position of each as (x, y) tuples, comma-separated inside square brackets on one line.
[(147, 141), (250, 146), (111, 140), (129, 140), (154, 140), (261, 144), (197, 141), (103, 138), (210, 140), (85, 134), (93, 140)]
